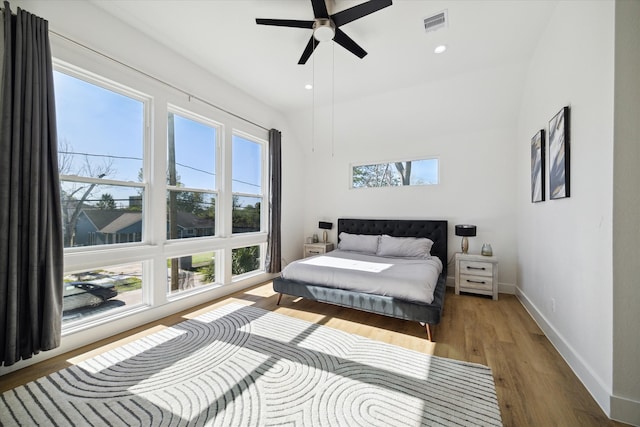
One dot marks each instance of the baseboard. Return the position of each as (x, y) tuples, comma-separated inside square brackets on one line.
[(594, 385), (625, 410), (507, 288)]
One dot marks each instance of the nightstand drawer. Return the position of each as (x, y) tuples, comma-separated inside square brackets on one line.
[(313, 251), (481, 283), (476, 268)]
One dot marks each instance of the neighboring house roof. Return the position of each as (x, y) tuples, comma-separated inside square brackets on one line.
[(189, 220), (113, 220), (125, 220), (102, 217)]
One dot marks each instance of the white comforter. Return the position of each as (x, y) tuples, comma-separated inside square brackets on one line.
[(407, 279)]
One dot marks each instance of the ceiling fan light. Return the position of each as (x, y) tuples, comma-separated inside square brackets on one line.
[(324, 33), (440, 49), (323, 30)]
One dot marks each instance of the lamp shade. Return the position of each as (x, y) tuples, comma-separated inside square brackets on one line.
[(465, 230), (325, 225)]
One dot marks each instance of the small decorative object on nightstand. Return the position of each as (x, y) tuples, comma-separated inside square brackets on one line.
[(486, 250), (311, 249), (477, 274)]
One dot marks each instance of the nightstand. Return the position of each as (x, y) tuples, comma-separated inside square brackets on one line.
[(311, 249), (477, 274)]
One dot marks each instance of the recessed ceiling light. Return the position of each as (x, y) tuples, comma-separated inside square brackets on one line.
[(308, 86), (440, 49)]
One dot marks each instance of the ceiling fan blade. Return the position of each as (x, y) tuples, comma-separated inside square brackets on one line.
[(319, 9), (285, 23), (356, 12), (311, 46), (347, 42)]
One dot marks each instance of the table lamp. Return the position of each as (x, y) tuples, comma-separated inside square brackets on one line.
[(324, 226), (465, 231)]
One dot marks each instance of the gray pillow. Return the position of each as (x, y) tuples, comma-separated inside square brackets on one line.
[(406, 247), (358, 243)]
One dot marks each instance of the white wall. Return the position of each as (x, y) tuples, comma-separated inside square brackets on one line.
[(565, 246), (625, 402), (467, 121)]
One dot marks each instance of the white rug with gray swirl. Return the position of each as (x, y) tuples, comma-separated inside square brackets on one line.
[(244, 366)]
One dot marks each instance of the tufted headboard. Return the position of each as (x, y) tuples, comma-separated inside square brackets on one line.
[(436, 230)]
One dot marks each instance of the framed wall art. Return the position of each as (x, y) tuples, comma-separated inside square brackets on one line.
[(537, 167), (559, 160)]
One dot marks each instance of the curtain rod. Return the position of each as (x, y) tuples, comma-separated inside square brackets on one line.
[(158, 80)]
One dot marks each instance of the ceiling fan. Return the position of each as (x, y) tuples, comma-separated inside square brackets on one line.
[(326, 27)]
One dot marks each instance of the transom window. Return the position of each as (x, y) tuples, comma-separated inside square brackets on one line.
[(395, 174)]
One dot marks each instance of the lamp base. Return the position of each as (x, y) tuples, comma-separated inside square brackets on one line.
[(324, 236), (465, 245)]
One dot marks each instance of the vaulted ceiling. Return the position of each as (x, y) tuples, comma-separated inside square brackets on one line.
[(222, 37)]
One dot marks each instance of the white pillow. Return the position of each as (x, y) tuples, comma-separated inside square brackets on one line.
[(358, 242), (408, 247)]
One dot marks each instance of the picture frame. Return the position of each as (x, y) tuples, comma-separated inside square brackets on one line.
[(559, 155), (537, 167)]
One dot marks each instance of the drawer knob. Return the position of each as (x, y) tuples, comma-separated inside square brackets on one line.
[(482, 282), (476, 268)]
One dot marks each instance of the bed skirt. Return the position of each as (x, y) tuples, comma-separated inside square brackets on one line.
[(384, 305)]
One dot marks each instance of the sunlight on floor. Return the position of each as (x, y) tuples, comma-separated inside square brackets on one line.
[(112, 344)]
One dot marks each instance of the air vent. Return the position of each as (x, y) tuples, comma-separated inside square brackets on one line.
[(436, 22)]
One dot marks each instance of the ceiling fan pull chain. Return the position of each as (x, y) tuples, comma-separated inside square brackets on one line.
[(333, 95), (313, 103)]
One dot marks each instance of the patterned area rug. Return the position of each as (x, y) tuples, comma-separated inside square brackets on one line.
[(244, 366)]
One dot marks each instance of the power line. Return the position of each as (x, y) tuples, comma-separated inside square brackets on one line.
[(111, 156), (101, 155)]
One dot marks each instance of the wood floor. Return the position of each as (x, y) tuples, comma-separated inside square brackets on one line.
[(535, 386)]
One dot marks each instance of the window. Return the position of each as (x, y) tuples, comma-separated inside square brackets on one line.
[(245, 260), (191, 177), (100, 160), (247, 184), (192, 271), (168, 203), (101, 290), (392, 174)]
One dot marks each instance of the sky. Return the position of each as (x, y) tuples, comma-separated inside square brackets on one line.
[(101, 123), (107, 129)]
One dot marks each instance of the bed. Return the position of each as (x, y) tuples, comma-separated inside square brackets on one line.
[(393, 306)]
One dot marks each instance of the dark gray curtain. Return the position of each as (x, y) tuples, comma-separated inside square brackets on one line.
[(273, 264), (31, 247)]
